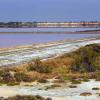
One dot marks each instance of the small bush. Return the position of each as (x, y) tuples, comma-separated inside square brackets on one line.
[(95, 88), (42, 81), (39, 67), (26, 97), (7, 77), (87, 59), (85, 79), (76, 81), (97, 75), (12, 84), (22, 77), (85, 94), (1, 72)]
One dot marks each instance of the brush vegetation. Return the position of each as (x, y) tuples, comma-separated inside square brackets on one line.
[(25, 97), (82, 64)]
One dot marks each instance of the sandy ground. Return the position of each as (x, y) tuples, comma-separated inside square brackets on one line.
[(62, 93), (19, 55)]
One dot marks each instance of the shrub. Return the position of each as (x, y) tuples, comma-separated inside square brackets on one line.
[(12, 84), (97, 75), (7, 77), (26, 97), (76, 81), (39, 67), (42, 81), (95, 88), (77, 63), (62, 70), (85, 94), (22, 77), (96, 63), (1, 72), (87, 59)]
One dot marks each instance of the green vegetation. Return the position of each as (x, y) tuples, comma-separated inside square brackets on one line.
[(22, 77), (25, 97), (86, 94), (77, 66), (76, 81), (95, 88), (87, 59), (72, 86), (42, 81), (39, 67), (13, 84), (51, 86), (97, 75)]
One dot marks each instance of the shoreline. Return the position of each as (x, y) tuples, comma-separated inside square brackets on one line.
[(22, 54), (46, 44), (48, 32), (57, 86)]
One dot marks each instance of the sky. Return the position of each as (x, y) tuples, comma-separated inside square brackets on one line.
[(49, 10)]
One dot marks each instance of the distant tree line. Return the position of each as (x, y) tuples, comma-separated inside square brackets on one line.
[(49, 24)]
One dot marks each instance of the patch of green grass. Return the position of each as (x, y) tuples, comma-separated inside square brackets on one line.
[(76, 81), (85, 80), (12, 84), (42, 81)]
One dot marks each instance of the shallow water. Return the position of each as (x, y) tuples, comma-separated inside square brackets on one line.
[(9, 40), (21, 38), (45, 29), (62, 92), (25, 54)]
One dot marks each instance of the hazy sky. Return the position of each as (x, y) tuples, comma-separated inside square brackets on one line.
[(49, 10)]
